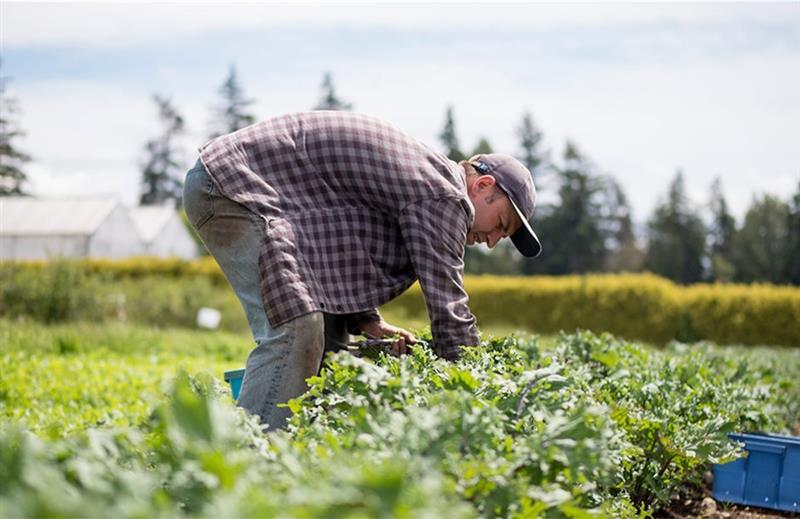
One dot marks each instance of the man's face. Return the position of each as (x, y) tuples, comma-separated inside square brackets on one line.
[(495, 217)]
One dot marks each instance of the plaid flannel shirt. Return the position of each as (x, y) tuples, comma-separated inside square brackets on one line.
[(354, 211)]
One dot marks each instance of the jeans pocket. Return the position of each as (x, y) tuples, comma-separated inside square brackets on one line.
[(197, 200)]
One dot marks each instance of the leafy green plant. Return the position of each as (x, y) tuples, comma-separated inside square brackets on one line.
[(589, 427), (58, 293)]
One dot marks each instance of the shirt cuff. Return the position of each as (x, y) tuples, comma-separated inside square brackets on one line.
[(354, 322)]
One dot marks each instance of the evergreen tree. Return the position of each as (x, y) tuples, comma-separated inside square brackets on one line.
[(449, 139), (159, 179), (793, 255), (329, 100), (573, 232), (502, 260), (483, 147), (760, 248), (676, 237), (721, 231), (624, 254), (231, 114), (530, 137), (12, 176)]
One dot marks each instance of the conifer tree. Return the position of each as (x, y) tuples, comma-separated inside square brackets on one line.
[(624, 254), (793, 254), (530, 138), (160, 181), (760, 249), (12, 159), (721, 231), (676, 237), (449, 139), (231, 114), (330, 100), (573, 232), (483, 147)]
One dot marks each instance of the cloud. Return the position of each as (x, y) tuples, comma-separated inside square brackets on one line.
[(86, 138), (733, 118), (641, 101), (124, 24)]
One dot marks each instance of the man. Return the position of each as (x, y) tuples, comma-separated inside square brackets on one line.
[(318, 218)]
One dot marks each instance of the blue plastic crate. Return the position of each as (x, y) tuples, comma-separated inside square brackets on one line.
[(768, 477), (234, 377)]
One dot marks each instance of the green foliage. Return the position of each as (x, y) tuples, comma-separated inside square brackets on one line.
[(65, 378), (162, 302), (197, 455), (793, 247), (61, 292), (231, 114), (635, 306), (530, 137), (623, 254), (121, 338), (502, 259), (675, 411), (169, 294), (449, 138), (676, 237), (761, 246), (721, 232), (12, 159), (577, 231), (483, 147), (161, 167), (593, 427), (330, 100)]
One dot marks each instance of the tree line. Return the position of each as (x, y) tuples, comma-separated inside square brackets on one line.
[(587, 228)]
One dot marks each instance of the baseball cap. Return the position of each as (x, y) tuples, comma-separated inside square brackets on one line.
[(517, 183)]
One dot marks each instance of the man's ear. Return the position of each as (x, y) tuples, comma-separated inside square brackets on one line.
[(485, 182)]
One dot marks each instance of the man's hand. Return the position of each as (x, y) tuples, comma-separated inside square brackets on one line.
[(380, 329)]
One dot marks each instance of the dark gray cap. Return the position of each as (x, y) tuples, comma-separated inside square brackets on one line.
[(517, 182)]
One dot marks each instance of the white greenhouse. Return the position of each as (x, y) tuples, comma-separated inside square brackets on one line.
[(32, 228), (162, 232)]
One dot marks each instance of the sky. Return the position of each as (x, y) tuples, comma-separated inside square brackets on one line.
[(643, 90)]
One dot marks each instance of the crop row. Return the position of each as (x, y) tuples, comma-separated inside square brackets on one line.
[(592, 426)]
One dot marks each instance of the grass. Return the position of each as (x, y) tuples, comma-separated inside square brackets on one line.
[(60, 378)]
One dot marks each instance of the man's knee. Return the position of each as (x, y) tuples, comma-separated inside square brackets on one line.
[(309, 342)]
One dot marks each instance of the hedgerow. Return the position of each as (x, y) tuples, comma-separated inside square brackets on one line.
[(635, 306)]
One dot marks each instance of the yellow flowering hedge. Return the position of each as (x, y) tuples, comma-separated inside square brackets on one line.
[(636, 306), (142, 266)]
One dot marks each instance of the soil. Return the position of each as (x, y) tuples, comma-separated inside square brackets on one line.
[(697, 503)]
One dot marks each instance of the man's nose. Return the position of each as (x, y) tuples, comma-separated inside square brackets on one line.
[(493, 239)]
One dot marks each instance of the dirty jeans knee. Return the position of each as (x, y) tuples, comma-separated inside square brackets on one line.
[(278, 367)]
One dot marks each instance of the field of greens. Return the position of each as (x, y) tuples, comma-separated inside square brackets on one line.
[(122, 420)]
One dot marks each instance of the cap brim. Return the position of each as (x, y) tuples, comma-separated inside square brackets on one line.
[(524, 239)]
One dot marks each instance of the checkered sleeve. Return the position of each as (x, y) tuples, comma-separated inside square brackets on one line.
[(435, 232)]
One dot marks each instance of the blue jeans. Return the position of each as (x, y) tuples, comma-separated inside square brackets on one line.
[(286, 355)]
